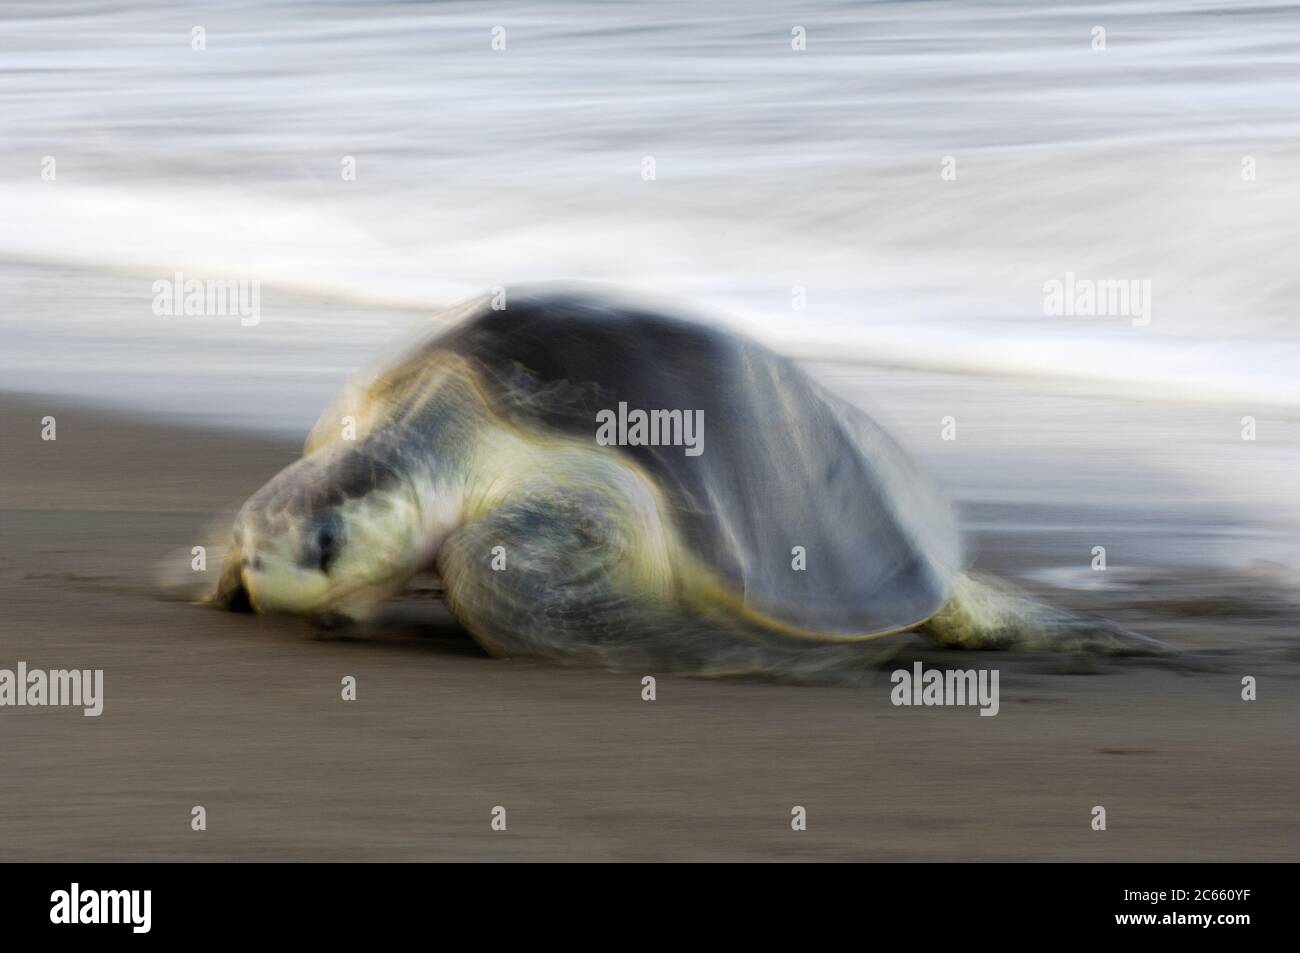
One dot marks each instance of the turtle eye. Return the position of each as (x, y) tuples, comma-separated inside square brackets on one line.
[(325, 545)]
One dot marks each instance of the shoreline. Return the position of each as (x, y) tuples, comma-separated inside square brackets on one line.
[(308, 342)]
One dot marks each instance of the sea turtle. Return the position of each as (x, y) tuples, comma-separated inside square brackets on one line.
[(598, 481)]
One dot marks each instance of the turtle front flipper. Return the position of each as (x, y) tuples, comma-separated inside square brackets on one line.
[(585, 571), (983, 613)]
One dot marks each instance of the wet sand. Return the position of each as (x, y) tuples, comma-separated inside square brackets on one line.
[(243, 715)]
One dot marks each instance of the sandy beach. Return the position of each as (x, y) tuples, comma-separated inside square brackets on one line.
[(243, 714)]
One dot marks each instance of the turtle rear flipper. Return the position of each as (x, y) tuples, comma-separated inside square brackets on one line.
[(983, 613)]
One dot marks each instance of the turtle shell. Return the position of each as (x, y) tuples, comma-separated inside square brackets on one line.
[(784, 463)]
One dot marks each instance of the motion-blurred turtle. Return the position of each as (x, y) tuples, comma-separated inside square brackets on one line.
[(791, 543)]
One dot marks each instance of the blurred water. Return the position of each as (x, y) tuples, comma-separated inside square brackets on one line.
[(774, 169)]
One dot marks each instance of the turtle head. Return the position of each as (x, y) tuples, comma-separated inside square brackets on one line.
[(331, 536)]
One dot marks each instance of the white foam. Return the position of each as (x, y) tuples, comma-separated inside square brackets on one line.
[(773, 170)]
